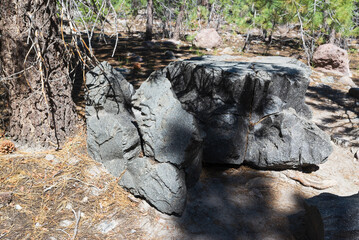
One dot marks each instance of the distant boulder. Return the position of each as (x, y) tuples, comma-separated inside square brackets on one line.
[(208, 38), (332, 58)]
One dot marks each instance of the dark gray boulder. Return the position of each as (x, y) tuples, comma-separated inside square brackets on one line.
[(112, 137), (286, 140), (157, 124), (161, 184), (328, 216), (232, 99), (169, 133)]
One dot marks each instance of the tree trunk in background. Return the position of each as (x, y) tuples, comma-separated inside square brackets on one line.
[(134, 5), (176, 34), (149, 24), (332, 36), (43, 112)]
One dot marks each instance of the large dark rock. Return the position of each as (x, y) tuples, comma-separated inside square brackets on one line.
[(286, 140), (169, 133), (112, 137), (157, 124), (232, 101), (329, 217), (161, 184)]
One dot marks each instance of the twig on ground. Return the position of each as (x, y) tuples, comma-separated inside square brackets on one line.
[(77, 218)]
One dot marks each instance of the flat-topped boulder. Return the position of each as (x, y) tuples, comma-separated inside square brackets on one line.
[(247, 105)]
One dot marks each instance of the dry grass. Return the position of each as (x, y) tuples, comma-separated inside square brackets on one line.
[(48, 196)]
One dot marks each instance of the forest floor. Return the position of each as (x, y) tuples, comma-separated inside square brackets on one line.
[(66, 195)]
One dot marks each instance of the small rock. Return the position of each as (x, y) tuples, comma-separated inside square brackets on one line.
[(37, 225), (85, 199), (49, 157), (133, 230), (18, 207)]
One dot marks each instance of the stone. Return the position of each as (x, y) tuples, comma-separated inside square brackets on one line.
[(333, 58), (208, 38), (169, 55), (286, 140), (242, 106), (121, 125), (161, 184), (328, 216), (112, 137), (354, 92), (169, 133)]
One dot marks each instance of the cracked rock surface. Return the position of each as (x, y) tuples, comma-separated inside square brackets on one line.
[(232, 101), (157, 125), (161, 184), (112, 138)]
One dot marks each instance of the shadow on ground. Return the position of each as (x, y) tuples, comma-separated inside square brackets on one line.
[(229, 204)]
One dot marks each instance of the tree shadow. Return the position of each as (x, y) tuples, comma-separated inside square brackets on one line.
[(228, 204), (326, 98)]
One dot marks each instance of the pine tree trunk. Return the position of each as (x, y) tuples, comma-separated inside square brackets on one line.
[(43, 112), (176, 34), (149, 24)]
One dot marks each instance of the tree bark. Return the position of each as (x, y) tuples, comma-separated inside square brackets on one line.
[(176, 34), (149, 24), (43, 112)]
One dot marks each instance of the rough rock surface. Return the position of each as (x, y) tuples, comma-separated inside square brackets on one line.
[(112, 138), (293, 147), (157, 124), (333, 58), (161, 184), (169, 133), (232, 101), (208, 38), (329, 216)]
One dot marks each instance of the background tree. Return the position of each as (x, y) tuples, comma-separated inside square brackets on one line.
[(149, 23)]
